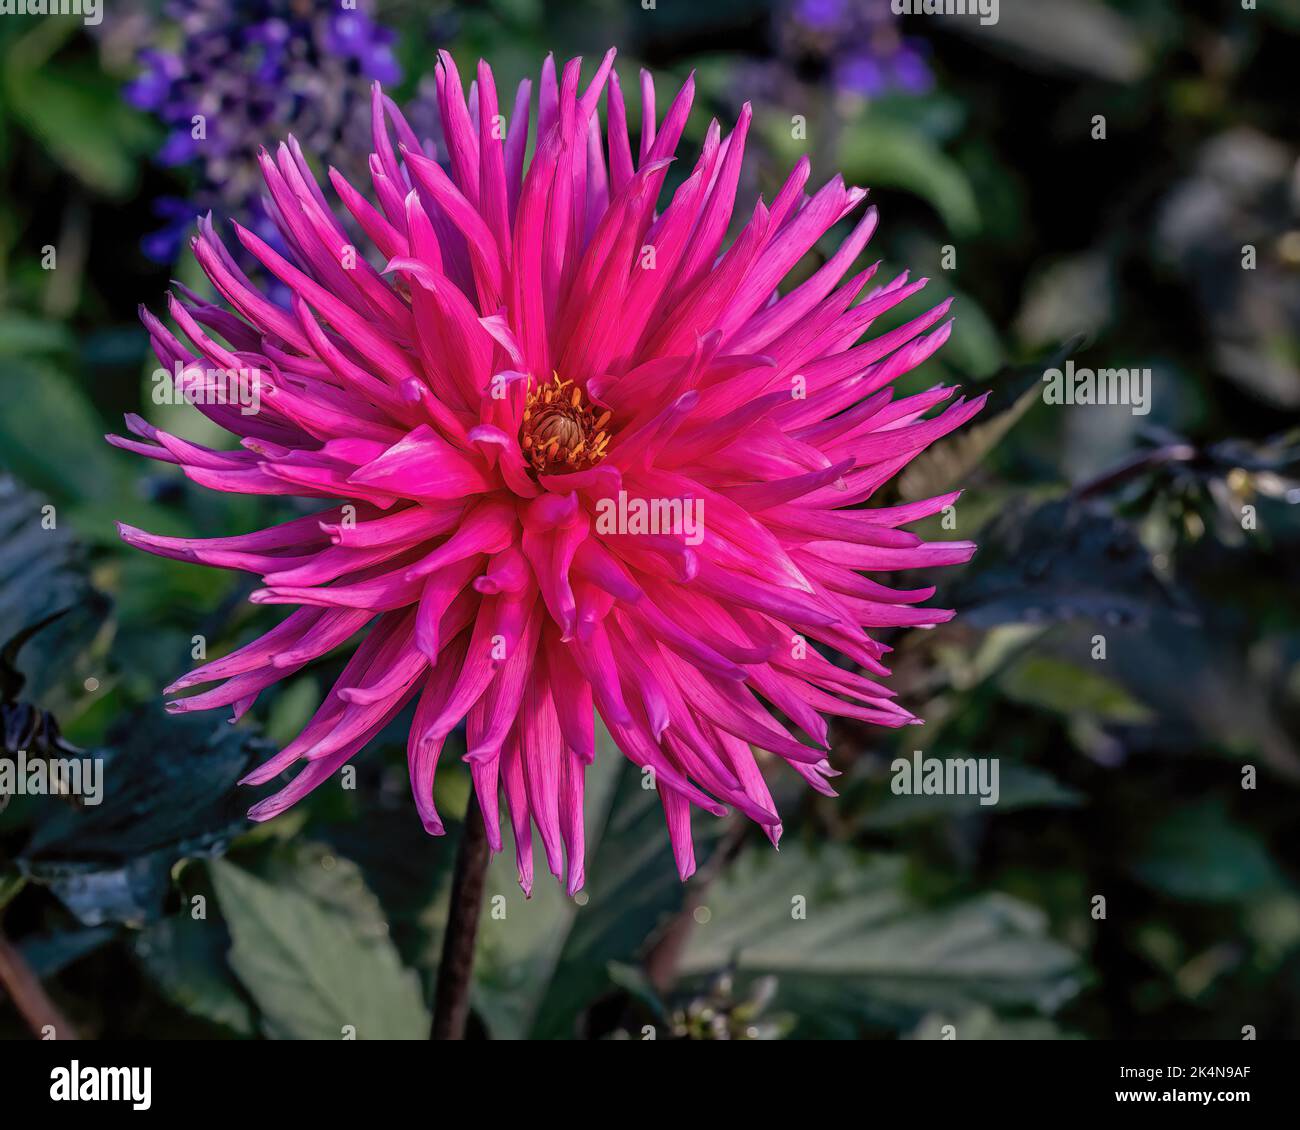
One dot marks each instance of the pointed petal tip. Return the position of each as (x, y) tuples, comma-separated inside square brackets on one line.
[(260, 774)]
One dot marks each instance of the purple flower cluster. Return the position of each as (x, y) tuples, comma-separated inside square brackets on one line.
[(246, 71), (859, 44)]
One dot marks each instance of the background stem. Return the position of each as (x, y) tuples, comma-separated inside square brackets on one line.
[(665, 954), (29, 994), (456, 969)]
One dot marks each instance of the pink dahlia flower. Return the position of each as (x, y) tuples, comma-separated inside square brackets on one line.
[(578, 456)]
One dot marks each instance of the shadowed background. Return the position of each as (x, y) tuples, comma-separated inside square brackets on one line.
[(1128, 637)]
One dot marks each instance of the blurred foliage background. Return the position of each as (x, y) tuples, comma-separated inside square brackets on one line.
[(1163, 778)]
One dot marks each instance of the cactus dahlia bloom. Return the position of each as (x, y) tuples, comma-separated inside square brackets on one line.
[(506, 414)]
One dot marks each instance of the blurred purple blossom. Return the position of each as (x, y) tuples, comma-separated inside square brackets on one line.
[(256, 70), (857, 43)]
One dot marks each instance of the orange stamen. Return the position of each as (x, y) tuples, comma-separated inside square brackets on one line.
[(560, 430)]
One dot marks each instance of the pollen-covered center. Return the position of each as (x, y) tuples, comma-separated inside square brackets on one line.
[(561, 430)]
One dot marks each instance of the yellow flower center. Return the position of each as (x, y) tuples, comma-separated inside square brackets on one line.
[(561, 431)]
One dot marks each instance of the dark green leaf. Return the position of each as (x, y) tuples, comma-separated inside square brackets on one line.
[(1199, 853), (169, 791), (867, 949), (983, 1024), (1019, 787), (186, 958), (1069, 688), (316, 956), (79, 119), (48, 608), (1058, 561), (880, 155), (47, 954)]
